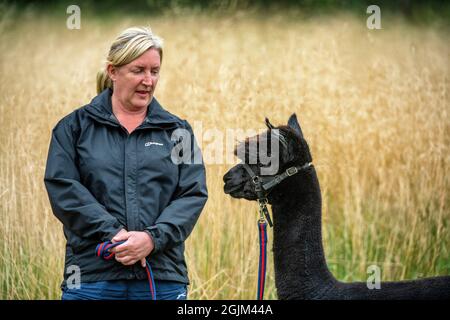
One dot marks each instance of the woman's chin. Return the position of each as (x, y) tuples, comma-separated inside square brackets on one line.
[(140, 103)]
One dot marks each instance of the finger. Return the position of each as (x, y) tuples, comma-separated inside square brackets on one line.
[(122, 248), (123, 260), (128, 262), (121, 255), (143, 263), (118, 238), (121, 236)]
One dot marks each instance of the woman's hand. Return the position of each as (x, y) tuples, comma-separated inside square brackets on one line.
[(138, 245), (119, 235)]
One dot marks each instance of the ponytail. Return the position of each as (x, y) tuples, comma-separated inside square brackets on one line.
[(103, 81)]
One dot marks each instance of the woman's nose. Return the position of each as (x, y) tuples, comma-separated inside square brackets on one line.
[(148, 81)]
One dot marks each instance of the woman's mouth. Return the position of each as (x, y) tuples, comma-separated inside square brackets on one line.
[(143, 93)]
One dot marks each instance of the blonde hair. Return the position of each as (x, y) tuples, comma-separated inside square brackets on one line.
[(128, 46)]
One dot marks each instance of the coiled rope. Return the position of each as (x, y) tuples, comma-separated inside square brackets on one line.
[(103, 251)]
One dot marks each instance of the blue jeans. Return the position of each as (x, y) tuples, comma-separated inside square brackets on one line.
[(126, 290)]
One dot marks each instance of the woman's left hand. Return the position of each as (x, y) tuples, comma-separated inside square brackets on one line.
[(138, 245)]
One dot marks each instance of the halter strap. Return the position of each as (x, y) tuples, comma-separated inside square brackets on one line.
[(272, 181)]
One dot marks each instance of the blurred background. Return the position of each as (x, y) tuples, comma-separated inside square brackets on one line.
[(373, 105)]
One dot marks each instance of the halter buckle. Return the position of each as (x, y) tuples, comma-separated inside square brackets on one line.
[(291, 171)]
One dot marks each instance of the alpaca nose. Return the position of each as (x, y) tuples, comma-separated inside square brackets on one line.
[(227, 177), (229, 188), (231, 184), (236, 175), (230, 175)]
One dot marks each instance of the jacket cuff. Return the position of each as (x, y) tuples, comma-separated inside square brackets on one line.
[(156, 237)]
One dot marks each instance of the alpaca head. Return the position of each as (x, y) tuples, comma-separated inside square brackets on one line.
[(259, 152)]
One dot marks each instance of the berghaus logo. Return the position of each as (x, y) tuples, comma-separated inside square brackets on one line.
[(152, 143)]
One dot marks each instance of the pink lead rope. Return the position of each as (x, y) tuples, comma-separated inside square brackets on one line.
[(262, 228)]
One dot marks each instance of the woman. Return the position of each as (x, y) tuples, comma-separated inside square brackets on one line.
[(111, 176)]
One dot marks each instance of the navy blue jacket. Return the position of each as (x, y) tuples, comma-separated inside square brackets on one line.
[(101, 179)]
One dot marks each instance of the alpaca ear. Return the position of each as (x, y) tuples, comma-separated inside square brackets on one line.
[(268, 124), (293, 123)]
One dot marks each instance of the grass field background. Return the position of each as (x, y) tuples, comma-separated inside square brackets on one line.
[(373, 104)]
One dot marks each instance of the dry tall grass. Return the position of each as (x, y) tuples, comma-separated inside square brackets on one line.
[(374, 106)]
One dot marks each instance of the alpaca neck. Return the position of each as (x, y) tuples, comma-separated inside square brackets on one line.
[(300, 266), (301, 271)]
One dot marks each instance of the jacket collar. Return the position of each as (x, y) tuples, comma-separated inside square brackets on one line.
[(100, 109)]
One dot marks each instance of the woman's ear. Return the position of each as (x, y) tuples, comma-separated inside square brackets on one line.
[(112, 71)]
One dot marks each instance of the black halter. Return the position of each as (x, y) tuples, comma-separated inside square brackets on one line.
[(264, 184)]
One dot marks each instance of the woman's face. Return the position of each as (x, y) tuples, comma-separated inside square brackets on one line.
[(135, 82)]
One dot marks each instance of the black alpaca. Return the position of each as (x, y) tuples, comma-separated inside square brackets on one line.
[(301, 271)]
